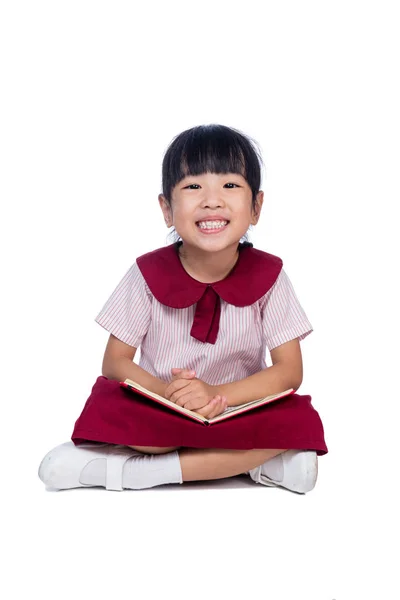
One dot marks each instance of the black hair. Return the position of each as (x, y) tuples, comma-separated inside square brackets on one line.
[(211, 149)]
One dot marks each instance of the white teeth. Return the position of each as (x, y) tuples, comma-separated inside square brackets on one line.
[(212, 224)]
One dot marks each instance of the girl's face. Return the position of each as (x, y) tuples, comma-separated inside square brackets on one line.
[(223, 201)]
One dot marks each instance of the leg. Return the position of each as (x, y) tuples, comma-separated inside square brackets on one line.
[(119, 467), (296, 470), (154, 449), (218, 463)]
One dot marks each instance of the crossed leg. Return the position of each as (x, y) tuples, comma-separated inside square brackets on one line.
[(214, 463)]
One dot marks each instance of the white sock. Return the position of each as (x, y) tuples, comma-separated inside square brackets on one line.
[(150, 470), (139, 472)]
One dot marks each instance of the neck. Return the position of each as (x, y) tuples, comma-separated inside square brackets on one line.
[(208, 267)]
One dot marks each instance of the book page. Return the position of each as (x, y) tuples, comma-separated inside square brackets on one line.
[(238, 406), (164, 401), (227, 412), (231, 410)]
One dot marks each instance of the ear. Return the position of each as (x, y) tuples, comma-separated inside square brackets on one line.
[(257, 209), (166, 209)]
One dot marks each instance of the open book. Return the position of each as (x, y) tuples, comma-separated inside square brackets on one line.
[(230, 411)]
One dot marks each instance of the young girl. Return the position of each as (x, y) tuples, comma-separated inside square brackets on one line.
[(203, 311)]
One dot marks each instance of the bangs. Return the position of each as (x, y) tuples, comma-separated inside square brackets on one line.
[(210, 149), (211, 154)]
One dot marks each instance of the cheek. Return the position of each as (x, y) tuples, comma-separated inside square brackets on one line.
[(183, 215), (244, 213)]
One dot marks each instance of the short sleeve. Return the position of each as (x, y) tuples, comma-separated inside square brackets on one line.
[(127, 312), (283, 318)]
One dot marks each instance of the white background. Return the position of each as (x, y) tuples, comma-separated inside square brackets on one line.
[(92, 94)]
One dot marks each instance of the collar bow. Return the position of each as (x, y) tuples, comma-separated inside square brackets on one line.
[(254, 273)]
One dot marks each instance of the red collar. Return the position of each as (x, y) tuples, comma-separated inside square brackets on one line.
[(254, 273)]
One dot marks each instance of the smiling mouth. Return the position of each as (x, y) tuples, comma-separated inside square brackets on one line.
[(211, 226)]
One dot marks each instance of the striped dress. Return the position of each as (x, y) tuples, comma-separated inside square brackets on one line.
[(163, 333), (135, 317)]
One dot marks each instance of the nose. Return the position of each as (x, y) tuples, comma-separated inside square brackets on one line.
[(213, 200)]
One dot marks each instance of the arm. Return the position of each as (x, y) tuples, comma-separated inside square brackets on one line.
[(117, 364), (286, 372)]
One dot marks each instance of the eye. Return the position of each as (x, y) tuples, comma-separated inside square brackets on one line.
[(196, 184)]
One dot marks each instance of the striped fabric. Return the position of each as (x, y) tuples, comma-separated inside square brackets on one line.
[(135, 317)]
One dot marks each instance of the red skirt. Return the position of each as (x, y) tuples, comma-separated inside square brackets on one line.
[(115, 415)]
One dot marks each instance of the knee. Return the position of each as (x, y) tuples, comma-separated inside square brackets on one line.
[(154, 449)]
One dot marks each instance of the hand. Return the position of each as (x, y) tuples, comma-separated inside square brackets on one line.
[(213, 408), (194, 394), (182, 374)]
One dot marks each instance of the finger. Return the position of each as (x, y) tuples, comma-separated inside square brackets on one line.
[(207, 410), (183, 373), (175, 386), (175, 371), (182, 398), (217, 409), (192, 402), (182, 390)]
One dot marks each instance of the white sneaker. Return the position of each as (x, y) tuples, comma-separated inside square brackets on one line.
[(61, 468), (300, 471)]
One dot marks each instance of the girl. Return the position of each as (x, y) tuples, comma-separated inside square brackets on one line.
[(203, 311)]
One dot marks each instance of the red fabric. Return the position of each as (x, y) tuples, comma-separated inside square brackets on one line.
[(115, 415), (254, 273), (206, 318)]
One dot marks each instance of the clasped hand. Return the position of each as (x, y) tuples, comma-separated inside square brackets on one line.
[(194, 394)]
